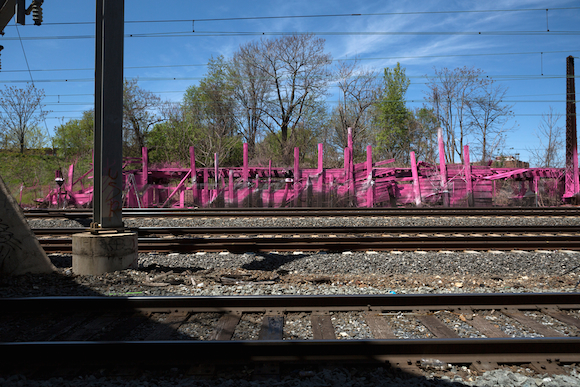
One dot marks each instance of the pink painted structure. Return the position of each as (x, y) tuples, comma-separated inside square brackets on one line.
[(365, 184)]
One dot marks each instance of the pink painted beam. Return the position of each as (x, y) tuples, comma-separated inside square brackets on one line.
[(193, 173), (179, 186), (468, 178), (416, 186), (442, 168), (297, 201), (370, 181)]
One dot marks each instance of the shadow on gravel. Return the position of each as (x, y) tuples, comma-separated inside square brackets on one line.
[(272, 261), (138, 326)]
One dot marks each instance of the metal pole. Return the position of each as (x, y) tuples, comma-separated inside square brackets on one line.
[(108, 154), (571, 178)]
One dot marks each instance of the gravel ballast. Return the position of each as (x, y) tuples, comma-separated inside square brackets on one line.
[(317, 273)]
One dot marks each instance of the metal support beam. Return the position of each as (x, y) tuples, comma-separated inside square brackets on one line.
[(7, 10), (108, 140), (571, 177)]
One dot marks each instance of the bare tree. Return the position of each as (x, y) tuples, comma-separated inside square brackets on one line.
[(423, 134), (488, 118), (296, 69), (551, 142), (359, 89), (251, 88), (21, 112), (449, 94), (140, 108)]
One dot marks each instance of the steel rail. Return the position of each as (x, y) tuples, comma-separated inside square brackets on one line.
[(315, 212), (333, 230), (375, 302), (341, 244), (98, 354), (395, 351)]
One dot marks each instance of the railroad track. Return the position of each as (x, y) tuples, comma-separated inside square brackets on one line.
[(466, 329), (312, 212), (337, 239)]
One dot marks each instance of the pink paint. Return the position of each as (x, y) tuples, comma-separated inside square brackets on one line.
[(468, 180), (416, 184), (365, 184), (442, 168)]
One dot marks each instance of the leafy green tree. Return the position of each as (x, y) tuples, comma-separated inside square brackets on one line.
[(75, 138), (392, 114)]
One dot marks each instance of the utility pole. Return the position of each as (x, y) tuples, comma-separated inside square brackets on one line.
[(107, 246), (108, 135), (571, 178)]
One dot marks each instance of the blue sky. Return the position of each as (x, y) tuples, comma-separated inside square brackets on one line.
[(512, 45)]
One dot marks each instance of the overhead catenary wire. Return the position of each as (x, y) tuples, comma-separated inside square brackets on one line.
[(32, 79), (253, 18), (334, 60), (179, 34)]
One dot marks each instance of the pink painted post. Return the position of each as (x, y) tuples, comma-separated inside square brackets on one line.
[(182, 196), (415, 174), (442, 168), (233, 201), (193, 169), (468, 181), (371, 182), (71, 177), (205, 190), (297, 201), (320, 173), (349, 175), (216, 173), (246, 174), (146, 197), (270, 192), (349, 140), (352, 183), (350, 168), (245, 168)]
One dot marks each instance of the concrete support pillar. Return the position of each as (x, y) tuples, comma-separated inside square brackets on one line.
[(102, 253), (20, 251)]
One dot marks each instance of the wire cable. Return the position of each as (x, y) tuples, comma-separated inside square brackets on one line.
[(32, 81), (250, 18)]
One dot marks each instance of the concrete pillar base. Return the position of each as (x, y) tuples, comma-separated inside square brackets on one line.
[(95, 254)]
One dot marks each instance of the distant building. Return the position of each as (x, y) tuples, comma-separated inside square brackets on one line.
[(509, 162)]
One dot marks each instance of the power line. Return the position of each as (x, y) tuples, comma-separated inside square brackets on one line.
[(334, 60), (31, 78), (510, 77), (190, 34), (249, 18)]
